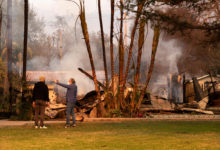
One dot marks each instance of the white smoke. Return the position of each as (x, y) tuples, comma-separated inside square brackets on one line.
[(167, 56), (70, 62)]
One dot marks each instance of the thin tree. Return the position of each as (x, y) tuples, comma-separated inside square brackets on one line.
[(139, 9), (140, 46), (150, 71), (121, 58), (101, 110), (103, 44), (1, 15), (25, 47), (25, 39), (9, 51), (6, 81), (115, 106)]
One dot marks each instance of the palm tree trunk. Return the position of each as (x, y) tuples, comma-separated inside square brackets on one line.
[(121, 59), (101, 110), (6, 81), (114, 105), (25, 47), (9, 36), (103, 44), (140, 7), (25, 39), (154, 50), (140, 45), (9, 49), (0, 27)]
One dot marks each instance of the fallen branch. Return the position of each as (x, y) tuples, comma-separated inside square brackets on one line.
[(90, 77), (198, 110)]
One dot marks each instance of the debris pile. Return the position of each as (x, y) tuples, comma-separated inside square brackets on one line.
[(199, 95)]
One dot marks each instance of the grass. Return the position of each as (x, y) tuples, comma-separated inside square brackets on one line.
[(136, 135)]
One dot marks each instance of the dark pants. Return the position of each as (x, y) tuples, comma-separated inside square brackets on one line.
[(70, 111), (39, 109)]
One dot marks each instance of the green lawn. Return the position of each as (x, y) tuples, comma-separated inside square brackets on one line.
[(136, 135)]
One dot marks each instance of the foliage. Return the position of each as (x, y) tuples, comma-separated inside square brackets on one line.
[(115, 113), (25, 105), (195, 25), (4, 105)]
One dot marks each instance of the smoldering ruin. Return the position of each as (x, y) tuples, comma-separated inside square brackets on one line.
[(199, 95), (174, 68), (170, 90)]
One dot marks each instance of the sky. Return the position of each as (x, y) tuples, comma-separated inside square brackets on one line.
[(49, 9)]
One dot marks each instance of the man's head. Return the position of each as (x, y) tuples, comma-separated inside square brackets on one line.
[(42, 79), (72, 81)]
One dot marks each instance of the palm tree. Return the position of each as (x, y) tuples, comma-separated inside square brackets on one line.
[(101, 110), (140, 46), (1, 24), (115, 106), (121, 59), (153, 54), (8, 76), (25, 48), (25, 39), (103, 44), (139, 9)]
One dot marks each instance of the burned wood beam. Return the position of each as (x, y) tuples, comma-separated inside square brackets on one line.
[(198, 111), (90, 77), (197, 89), (213, 84), (184, 88)]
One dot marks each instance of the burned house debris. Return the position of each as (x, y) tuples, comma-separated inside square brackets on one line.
[(197, 88), (174, 88), (199, 95), (84, 105), (184, 96)]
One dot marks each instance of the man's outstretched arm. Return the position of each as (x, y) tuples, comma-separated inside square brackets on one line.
[(61, 84)]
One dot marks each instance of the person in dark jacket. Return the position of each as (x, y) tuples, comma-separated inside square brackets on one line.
[(70, 100), (40, 101)]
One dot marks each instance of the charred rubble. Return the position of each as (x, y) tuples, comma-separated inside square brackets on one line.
[(197, 96)]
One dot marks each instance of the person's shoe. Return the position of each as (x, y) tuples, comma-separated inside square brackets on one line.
[(73, 125), (36, 127), (43, 127), (67, 126)]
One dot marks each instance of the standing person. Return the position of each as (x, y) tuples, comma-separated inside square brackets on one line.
[(40, 101), (70, 100)]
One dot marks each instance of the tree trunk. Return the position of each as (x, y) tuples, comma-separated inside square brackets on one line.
[(1, 28), (153, 54), (101, 111), (103, 44), (25, 39), (140, 7), (25, 48), (6, 81), (121, 59), (140, 45), (9, 36), (114, 105), (9, 49)]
